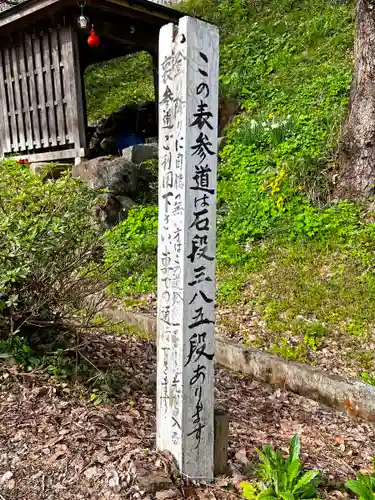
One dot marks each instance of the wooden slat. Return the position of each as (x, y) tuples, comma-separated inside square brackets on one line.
[(77, 97), (5, 142), (18, 99), (73, 88), (65, 154), (14, 138), (33, 92), (58, 87), (40, 91), (68, 75), (49, 89), (26, 97)]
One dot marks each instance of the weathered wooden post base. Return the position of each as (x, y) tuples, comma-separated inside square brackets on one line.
[(221, 433)]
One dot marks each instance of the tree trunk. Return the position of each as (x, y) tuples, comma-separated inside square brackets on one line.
[(356, 177)]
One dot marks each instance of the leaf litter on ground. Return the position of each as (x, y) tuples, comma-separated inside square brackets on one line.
[(55, 444)]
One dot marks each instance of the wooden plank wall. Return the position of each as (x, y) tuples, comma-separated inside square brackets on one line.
[(38, 79)]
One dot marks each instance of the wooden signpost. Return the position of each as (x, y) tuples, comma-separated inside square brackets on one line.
[(188, 132)]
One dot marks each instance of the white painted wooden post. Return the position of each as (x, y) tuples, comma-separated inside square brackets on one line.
[(188, 119)]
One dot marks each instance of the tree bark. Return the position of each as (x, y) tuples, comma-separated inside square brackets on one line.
[(356, 177)]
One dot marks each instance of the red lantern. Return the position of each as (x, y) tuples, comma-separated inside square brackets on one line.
[(93, 40)]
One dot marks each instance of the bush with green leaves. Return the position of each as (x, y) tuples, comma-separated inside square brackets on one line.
[(282, 479), (130, 252), (364, 485), (48, 235)]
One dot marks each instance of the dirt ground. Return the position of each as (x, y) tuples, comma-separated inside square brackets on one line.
[(57, 445)]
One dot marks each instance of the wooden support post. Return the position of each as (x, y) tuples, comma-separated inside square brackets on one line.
[(72, 79), (155, 72), (188, 117), (221, 432)]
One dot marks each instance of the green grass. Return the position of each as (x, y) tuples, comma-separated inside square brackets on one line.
[(303, 263), (118, 82)]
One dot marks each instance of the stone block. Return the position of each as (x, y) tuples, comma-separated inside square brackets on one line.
[(141, 153)]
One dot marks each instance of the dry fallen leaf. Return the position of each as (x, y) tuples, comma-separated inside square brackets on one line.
[(91, 472), (114, 481), (340, 439), (241, 456), (11, 484), (255, 419), (6, 476), (223, 482)]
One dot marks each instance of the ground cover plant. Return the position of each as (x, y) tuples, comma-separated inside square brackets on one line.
[(364, 485), (282, 479)]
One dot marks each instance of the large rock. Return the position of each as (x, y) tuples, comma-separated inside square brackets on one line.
[(123, 182), (115, 174), (113, 209)]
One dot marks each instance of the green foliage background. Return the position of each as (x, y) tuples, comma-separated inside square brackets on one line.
[(303, 262), (112, 84)]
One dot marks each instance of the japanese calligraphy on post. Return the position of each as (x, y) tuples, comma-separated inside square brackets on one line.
[(188, 117)]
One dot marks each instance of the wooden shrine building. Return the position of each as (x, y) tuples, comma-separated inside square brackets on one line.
[(43, 55)]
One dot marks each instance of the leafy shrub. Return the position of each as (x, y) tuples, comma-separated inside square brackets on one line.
[(18, 350), (130, 252), (282, 479), (364, 485), (369, 379), (48, 234)]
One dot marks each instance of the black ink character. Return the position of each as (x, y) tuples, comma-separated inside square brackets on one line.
[(168, 180), (167, 96), (166, 198), (200, 222), (204, 57), (203, 200), (199, 373), (203, 87), (200, 319), (197, 432), (200, 275), (167, 119), (202, 179), (167, 161), (198, 348), (202, 147), (202, 116), (199, 249), (204, 297), (167, 67)]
